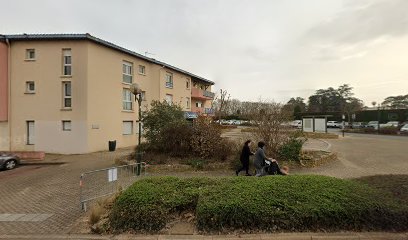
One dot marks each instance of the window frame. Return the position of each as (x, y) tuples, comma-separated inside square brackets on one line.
[(125, 67), (144, 70), (125, 101), (27, 88), (171, 95), (188, 105), (131, 128), (66, 52), (169, 76), (188, 84), (143, 95), (65, 96), (64, 128), (30, 141), (28, 56)]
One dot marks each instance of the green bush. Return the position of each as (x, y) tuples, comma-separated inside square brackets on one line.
[(274, 203), (291, 149)]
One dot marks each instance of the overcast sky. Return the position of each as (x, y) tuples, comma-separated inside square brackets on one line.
[(273, 49)]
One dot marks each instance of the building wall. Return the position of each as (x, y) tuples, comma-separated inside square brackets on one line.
[(45, 106), (180, 92), (3, 82), (96, 115), (4, 136), (105, 111)]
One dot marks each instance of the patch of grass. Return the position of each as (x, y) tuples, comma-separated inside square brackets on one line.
[(397, 185), (273, 203)]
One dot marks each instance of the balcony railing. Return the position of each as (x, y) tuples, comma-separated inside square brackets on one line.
[(202, 94), (208, 111), (201, 110)]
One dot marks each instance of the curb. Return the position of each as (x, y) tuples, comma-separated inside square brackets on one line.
[(276, 236)]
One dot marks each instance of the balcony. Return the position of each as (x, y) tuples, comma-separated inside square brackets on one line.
[(203, 111), (202, 94)]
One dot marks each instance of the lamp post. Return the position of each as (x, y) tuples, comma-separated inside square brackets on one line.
[(137, 91), (379, 117)]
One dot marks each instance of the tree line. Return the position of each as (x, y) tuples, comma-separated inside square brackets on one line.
[(340, 99)]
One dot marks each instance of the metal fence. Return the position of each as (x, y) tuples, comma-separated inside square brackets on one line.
[(104, 182)]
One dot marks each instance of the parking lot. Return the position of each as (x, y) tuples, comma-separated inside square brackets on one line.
[(41, 198)]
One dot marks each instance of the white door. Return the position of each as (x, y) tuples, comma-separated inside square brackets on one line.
[(169, 99), (30, 133)]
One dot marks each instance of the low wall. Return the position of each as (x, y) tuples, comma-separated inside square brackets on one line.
[(29, 155)]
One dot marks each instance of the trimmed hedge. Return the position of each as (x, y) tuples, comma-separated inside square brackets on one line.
[(273, 203)]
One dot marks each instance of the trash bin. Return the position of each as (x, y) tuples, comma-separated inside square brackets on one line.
[(112, 146)]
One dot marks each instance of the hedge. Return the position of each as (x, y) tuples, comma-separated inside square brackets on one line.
[(273, 203)]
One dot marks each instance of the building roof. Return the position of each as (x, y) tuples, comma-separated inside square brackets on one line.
[(87, 36)]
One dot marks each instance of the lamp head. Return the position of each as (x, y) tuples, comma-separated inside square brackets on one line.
[(135, 89)]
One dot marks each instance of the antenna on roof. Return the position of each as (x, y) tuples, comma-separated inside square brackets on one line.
[(149, 53)]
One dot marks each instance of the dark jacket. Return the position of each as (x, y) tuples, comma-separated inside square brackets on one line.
[(246, 152)]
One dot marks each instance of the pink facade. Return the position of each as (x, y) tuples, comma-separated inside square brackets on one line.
[(3, 82)]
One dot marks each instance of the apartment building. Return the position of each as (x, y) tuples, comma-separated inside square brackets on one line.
[(69, 93)]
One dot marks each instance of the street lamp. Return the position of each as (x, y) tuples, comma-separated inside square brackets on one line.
[(137, 91), (379, 118)]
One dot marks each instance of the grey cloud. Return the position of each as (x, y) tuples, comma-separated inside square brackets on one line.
[(357, 22)]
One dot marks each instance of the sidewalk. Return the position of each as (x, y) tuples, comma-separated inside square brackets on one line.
[(276, 236)]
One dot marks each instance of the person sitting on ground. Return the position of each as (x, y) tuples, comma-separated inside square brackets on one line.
[(260, 158), (246, 152)]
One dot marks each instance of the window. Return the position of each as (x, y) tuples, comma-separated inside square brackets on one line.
[(127, 72), (187, 102), (143, 95), (30, 54), (30, 87), (199, 104), (169, 98), (142, 70), (67, 96), (67, 62), (188, 83), (66, 125), (127, 127), (127, 100), (30, 133), (169, 80)]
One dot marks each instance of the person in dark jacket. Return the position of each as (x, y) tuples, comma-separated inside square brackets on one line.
[(246, 152)]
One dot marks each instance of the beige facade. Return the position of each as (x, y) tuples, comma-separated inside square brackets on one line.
[(43, 117)]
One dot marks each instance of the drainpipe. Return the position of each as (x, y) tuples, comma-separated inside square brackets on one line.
[(9, 88)]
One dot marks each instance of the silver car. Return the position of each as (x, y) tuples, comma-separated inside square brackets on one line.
[(8, 161)]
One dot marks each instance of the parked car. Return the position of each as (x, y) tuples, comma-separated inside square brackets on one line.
[(296, 124), (333, 124), (390, 124), (8, 161), (404, 129), (358, 125), (372, 124)]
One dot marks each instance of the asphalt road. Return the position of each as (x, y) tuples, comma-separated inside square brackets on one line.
[(364, 155)]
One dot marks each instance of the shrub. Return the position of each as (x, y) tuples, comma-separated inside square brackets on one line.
[(274, 203), (291, 149), (206, 141), (160, 122), (389, 130)]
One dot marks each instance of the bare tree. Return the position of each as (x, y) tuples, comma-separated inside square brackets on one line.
[(220, 103), (269, 119)]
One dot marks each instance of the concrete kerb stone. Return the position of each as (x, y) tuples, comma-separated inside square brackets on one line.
[(276, 236)]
